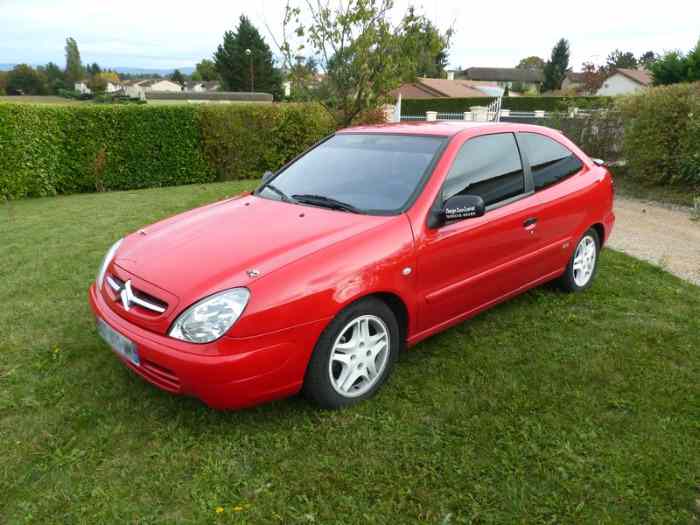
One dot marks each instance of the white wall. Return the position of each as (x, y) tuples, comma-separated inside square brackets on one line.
[(618, 84)]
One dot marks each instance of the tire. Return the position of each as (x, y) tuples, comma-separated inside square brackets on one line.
[(350, 345), (580, 278)]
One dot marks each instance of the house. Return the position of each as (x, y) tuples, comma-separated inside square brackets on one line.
[(82, 87), (441, 88), (202, 86), (139, 88), (505, 76), (623, 81)]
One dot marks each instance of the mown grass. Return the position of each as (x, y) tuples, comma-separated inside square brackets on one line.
[(550, 408), (41, 99)]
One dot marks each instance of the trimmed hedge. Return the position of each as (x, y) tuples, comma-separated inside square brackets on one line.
[(48, 150), (244, 141), (459, 105), (662, 134)]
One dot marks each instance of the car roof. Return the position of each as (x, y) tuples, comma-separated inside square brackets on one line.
[(444, 128)]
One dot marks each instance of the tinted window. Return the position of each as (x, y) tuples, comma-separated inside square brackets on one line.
[(488, 166), (371, 172), (549, 160)]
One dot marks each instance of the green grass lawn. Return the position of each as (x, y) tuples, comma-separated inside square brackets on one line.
[(41, 99), (551, 408)]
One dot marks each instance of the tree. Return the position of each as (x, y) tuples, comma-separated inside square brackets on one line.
[(423, 43), (93, 69), (303, 76), (244, 61), (593, 77), (620, 59), (177, 77), (23, 79), (556, 67), (55, 78), (692, 61), (74, 66), (207, 70), (671, 68), (647, 59), (3, 82), (531, 62), (97, 84), (361, 56)]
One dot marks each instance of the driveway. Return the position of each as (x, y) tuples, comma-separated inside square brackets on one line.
[(665, 236)]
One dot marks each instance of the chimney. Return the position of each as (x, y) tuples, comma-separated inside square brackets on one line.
[(450, 75)]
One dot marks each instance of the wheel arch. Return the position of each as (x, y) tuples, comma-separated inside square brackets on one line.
[(600, 230)]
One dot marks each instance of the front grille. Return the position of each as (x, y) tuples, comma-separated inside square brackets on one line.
[(135, 297)]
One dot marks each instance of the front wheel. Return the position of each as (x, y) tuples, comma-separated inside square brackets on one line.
[(583, 264), (354, 356)]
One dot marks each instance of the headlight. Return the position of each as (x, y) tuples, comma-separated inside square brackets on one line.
[(210, 318), (105, 262)]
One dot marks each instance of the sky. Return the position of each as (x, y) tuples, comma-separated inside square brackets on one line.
[(173, 33)]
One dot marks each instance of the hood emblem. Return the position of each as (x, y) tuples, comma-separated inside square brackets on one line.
[(253, 273), (142, 232)]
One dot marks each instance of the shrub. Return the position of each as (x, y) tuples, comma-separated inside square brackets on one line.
[(662, 134), (62, 149), (47, 150), (243, 141)]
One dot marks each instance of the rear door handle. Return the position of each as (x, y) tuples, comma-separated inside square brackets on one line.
[(530, 223)]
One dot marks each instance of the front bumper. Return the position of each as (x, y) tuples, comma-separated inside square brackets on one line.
[(228, 373)]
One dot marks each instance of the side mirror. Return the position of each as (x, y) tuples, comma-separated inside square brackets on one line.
[(600, 162), (267, 176), (463, 207)]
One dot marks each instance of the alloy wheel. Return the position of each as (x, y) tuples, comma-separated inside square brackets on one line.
[(359, 356), (584, 261)]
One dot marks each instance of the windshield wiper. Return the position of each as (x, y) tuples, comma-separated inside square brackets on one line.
[(326, 202), (275, 189)]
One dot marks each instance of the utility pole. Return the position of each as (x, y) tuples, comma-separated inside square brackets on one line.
[(249, 52)]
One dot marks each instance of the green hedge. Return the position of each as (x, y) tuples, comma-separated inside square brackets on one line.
[(241, 142), (459, 105), (662, 134), (47, 150)]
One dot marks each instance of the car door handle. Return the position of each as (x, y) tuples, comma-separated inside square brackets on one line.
[(530, 223)]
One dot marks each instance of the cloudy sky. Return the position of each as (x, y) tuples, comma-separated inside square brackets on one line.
[(172, 33)]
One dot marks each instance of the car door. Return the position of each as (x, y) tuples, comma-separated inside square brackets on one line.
[(469, 264), (558, 191)]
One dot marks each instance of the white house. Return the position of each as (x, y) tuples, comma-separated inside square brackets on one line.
[(624, 81), (138, 88), (82, 88)]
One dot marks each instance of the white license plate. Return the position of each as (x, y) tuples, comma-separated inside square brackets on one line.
[(120, 344)]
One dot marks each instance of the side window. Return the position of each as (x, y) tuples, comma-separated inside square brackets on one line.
[(550, 161), (488, 166)]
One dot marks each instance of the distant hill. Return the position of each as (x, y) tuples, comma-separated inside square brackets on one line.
[(128, 70)]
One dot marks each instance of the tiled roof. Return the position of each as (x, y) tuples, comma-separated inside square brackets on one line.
[(503, 74), (640, 76), (439, 88)]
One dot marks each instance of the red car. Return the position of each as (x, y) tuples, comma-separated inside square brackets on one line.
[(373, 240)]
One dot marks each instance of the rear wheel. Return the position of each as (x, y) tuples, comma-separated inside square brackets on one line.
[(354, 356), (583, 264)]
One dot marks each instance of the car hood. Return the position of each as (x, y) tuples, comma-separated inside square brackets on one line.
[(215, 247)]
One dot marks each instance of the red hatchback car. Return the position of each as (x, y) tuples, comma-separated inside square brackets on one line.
[(371, 241)]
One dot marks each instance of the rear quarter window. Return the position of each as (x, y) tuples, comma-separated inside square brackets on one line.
[(550, 161)]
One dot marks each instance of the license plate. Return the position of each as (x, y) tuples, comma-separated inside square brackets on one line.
[(120, 344)]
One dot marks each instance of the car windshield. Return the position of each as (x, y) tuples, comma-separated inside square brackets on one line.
[(358, 172)]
